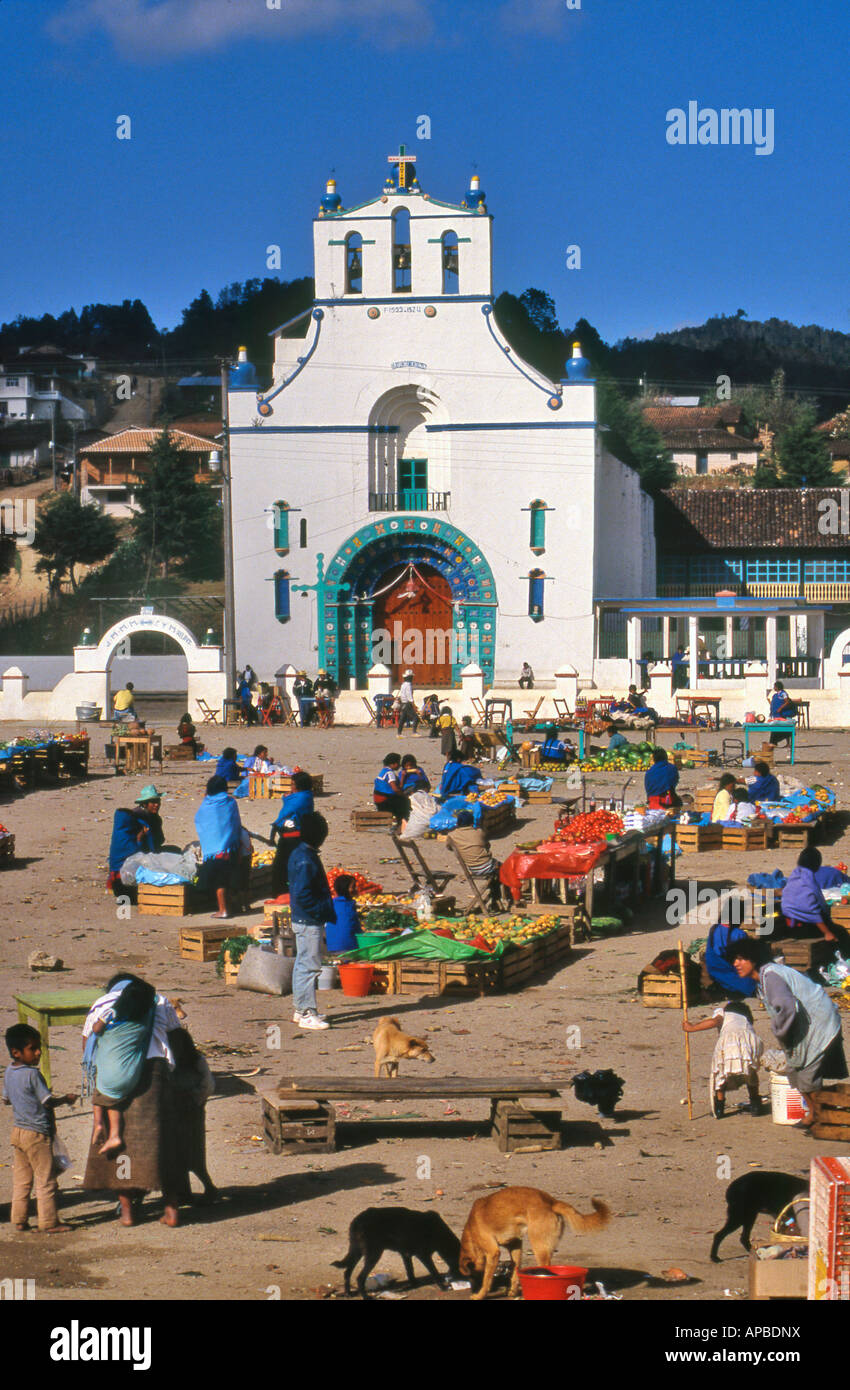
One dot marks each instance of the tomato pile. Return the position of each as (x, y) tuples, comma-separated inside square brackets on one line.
[(588, 827), (362, 884)]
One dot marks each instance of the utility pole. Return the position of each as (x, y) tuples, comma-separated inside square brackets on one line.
[(75, 425), (53, 446), (229, 633)]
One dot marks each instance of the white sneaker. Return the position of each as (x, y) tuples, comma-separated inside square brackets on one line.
[(297, 1016), (312, 1020)]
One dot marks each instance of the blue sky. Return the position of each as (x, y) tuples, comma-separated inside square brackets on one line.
[(239, 111)]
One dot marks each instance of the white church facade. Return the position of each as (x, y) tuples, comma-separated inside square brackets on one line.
[(408, 489)]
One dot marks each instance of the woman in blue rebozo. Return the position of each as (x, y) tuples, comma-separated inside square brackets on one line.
[(219, 830)]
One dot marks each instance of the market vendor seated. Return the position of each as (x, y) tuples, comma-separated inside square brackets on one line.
[(187, 734), (554, 749), (123, 707), (764, 786), (326, 691), (341, 935), (473, 847), (228, 767), (661, 781), (611, 729), (725, 798), (743, 811), (387, 792), (804, 906), (135, 831), (459, 777), (782, 708), (411, 777)]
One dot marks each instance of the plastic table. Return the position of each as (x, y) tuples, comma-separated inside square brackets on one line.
[(54, 1006), (778, 726)]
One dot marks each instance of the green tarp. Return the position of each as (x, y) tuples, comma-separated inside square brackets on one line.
[(424, 945)]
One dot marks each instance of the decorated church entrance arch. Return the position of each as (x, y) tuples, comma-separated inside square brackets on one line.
[(415, 590)]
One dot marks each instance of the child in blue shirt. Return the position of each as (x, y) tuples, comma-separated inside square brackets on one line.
[(341, 935)]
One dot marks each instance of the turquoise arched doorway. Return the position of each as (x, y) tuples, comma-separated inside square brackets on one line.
[(367, 579)]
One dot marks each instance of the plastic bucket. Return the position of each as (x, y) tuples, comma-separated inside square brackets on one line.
[(373, 938), (786, 1104), (356, 978), (328, 977), (554, 1283)]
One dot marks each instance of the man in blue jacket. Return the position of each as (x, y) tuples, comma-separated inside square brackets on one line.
[(286, 828), (459, 777), (310, 906)]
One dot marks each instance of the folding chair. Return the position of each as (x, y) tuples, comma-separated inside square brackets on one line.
[(288, 717), (370, 710), (480, 713), (326, 716), (478, 901), (210, 715), (562, 710), (267, 715), (424, 876), (531, 714)]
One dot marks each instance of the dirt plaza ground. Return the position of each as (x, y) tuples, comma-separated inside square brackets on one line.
[(283, 1219)]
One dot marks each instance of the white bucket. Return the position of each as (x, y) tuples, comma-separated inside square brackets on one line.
[(786, 1104), (328, 978)]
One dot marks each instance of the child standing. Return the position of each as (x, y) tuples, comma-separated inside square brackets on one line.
[(737, 1053), (33, 1130), (341, 935)]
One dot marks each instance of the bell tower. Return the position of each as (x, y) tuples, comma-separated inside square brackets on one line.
[(403, 246)]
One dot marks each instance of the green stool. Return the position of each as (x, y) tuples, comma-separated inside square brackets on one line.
[(54, 1006)]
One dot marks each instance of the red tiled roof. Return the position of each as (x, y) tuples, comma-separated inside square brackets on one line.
[(140, 441), (692, 519), (710, 442), (691, 417)]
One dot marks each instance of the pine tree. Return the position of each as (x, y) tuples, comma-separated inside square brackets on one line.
[(804, 460), (178, 519), (69, 533)]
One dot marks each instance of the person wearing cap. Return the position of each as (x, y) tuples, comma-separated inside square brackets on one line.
[(408, 713), (137, 830), (303, 692), (123, 704)]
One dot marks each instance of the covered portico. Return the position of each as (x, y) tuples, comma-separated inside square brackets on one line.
[(723, 638)]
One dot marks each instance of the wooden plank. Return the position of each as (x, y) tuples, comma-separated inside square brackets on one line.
[(329, 1087)]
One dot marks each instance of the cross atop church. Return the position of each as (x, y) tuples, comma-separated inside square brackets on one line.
[(402, 159)]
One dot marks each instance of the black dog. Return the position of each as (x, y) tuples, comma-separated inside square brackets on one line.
[(753, 1195), (419, 1234)]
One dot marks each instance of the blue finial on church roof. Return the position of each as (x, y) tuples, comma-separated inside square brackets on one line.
[(331, 202), (476, 197), (244, 374), (578, 367)]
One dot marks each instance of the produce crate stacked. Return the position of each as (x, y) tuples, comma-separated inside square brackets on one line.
[(695, 839), (829, 1229), (269, 786)]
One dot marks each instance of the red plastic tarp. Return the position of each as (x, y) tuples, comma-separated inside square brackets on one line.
[(550, 861)]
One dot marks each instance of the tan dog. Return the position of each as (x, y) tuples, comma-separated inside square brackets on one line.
[(506, 1216), (391, 1044)]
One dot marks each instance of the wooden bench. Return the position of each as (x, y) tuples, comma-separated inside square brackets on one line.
[(299, 1115)]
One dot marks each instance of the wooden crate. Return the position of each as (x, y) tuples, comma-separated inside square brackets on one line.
[(464, 978), (384, 977), (298, 1126), (202, 943), (788, 1278), (695, 839), (539, 798), (260, 882), (797, 835), (704, 799), (665, 991), (841, 915), (179, 752), (804, 953), (746, 837), (515, 1129), (700, 757), (278, 784), (498, 818), (372, 819), (7, 849), (230, 973), (530, 757), (171, 900), (520, 964), (831, 1108)]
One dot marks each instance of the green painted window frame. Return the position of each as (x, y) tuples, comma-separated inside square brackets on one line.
[(281, 527)]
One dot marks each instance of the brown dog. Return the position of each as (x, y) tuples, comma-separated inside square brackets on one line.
[(390, 1044), (504, 1217)]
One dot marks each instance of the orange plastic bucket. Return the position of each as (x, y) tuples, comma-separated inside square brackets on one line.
[(356, 978), (555, 1283)]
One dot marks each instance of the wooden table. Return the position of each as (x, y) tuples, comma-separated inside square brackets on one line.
[(140, 750), (299, 1115), (54, 1006), (628, 851), (778, 726), (692, 703)]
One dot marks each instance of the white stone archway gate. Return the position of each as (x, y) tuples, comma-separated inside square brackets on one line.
[(90, 680)]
